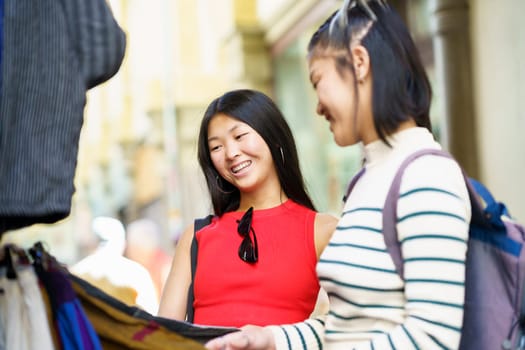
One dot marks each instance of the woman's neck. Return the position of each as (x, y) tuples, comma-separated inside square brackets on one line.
[(262, 202)]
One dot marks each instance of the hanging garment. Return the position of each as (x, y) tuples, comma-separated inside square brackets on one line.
[(39, 335), (24, 318), (15, 319), (53, 52), (1, 41), (73, 328), (3, 310), (117, 325)]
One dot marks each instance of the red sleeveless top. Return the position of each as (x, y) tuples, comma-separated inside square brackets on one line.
[(282, 287)]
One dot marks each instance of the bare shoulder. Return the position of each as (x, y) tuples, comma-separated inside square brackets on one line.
[(325, 225), (186, 237), (325, 219)]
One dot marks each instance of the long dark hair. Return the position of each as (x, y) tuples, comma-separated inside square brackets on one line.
[(260, 113), (401, 89)]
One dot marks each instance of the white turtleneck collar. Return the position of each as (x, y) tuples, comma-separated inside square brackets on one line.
[(402, 143)]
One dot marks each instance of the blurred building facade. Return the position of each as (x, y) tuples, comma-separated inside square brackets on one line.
[(138, 151)]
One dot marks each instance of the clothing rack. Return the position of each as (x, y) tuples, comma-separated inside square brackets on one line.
[(82, 316)]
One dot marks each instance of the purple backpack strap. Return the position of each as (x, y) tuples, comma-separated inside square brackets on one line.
[(352, 183), (390, 208)]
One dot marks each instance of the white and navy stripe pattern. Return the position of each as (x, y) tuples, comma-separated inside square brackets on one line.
[(53, 51), (371, 307)]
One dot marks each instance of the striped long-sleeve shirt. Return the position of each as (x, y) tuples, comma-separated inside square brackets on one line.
[(371, 307), (53, 52)]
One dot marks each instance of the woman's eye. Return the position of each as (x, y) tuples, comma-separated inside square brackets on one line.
[(238, 137), (214, 148)]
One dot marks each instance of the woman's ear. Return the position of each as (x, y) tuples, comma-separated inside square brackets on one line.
[(361, 62)]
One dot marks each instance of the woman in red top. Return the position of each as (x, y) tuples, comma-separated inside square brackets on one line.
[(256, 260)]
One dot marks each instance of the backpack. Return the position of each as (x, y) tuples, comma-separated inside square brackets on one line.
[(197, 225), (494, 309)]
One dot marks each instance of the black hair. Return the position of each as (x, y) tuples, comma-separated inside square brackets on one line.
[(400, 86), (261, 114)]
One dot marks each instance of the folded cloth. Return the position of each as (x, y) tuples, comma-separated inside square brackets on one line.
[(122, 326)]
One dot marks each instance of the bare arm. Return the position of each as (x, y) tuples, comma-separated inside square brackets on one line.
[(175, 293), (325, 225)]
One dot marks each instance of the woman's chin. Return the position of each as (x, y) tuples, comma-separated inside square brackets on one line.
[(343, 142)]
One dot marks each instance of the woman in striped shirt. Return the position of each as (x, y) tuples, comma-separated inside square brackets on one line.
[(373, 90)]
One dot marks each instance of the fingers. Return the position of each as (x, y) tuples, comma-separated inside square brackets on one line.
[(249, 338), (215, 344), (232, 341)]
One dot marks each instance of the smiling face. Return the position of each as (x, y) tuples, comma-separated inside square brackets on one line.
[(336, 98), (241, 156), (344, 101)]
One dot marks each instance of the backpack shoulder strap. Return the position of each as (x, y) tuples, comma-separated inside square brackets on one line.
[(198, 224), (352, 183), (390, 208)]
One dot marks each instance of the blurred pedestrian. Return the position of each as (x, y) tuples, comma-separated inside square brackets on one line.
[(118, 276), (143, 238)]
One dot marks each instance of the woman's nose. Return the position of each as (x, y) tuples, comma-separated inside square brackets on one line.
[(232, 151)]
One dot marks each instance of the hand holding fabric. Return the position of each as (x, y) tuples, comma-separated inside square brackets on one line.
[(248, 338)]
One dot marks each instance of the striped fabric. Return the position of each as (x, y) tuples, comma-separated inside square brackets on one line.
[(371, 307), (1, 38), (54, 51)]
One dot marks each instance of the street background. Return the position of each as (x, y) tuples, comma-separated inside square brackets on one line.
[(137, 155)]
